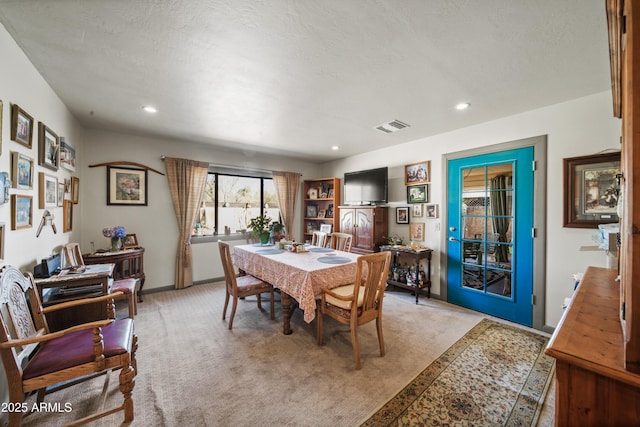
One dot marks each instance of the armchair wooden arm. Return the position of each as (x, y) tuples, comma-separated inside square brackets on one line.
[(42, 337), (327, 291)]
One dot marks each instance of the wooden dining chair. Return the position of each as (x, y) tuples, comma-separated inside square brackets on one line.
[(319, 238), (35, 359), (360, 302), (127, 286), (240, 286), (341, 241)]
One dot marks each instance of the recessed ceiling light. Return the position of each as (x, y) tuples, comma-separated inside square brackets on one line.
[(150, 109), (462, 106), (335, 147)]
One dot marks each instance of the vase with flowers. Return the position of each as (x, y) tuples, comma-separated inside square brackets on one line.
[(116, 234)]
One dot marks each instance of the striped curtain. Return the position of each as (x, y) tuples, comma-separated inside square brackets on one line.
[(187, 179), (500, 208), (287, 184)]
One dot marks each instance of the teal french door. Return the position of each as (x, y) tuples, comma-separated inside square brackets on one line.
[(490, 234)]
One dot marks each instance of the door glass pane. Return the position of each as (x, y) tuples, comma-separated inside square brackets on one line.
[(486, 217)]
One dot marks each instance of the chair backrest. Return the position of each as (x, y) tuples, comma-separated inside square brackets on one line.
[(19, 319), (371, 280), (72, 255), (341, 241), (227, 265), (319, 238)]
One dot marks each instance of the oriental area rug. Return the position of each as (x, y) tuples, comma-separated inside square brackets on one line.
[(495, 375)]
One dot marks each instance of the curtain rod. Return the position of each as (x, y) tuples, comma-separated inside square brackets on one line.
[(220, 165)]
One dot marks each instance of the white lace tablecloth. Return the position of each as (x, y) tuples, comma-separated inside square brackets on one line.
[(300, 275)]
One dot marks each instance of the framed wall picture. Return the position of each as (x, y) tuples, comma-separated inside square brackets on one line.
[(312, 211), (48, 147), (417, 210), (417, 194), (75, 189), (5, 184), (21, 126), (591, 190), (60, 193), (21, 211), (325, 228), (67, 216), (126, 186), (402, 215), (431, 210), (417, 173), (67, 155), (47, 191), (21, 171), (416, 231), (130, 241)]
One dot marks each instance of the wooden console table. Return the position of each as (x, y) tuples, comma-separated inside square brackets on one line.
[(129, 264), (416, 256), (593, 388)]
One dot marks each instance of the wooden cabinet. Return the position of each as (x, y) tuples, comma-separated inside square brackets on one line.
[(321, 200), (593, 388), (367, 224), (596, 347)]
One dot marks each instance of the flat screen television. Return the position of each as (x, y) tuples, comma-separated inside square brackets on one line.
[(366, 187)]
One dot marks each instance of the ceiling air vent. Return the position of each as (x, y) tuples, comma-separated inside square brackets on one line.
[(391, 126)]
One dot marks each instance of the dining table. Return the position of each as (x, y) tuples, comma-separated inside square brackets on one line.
[(299, 276)]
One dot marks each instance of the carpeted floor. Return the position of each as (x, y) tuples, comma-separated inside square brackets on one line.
[(193, 371), (496, 375)]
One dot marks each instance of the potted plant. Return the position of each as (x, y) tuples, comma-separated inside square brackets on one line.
[(260, 227)]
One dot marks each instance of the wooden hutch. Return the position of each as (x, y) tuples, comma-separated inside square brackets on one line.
[(597, 343)]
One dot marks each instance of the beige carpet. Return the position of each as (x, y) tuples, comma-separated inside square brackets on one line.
[(193, 371)]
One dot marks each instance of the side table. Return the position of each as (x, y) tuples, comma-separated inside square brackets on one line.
[(129, 264), (416, 256)]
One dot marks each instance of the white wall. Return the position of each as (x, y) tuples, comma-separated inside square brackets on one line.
[(155, 224), (21, 84), (580, 127)]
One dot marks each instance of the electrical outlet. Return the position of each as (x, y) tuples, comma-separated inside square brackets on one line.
[(438, 226)]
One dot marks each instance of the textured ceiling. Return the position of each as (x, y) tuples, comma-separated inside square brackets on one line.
[(298, 77)]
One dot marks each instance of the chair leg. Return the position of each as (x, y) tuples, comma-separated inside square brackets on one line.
[(273, 304), (226, 304), (319, 320), (127, 375), (380, 338), (354, 343), (233, 311), (15, 416), (131, 300)]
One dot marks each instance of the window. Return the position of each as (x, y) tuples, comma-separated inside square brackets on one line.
[(230, 201)]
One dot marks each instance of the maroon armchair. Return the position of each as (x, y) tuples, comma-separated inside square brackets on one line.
[(35, 359)]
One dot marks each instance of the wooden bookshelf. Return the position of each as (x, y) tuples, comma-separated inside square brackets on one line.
[(321, 205)]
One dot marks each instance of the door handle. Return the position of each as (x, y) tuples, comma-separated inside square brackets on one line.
[(452, 239)]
